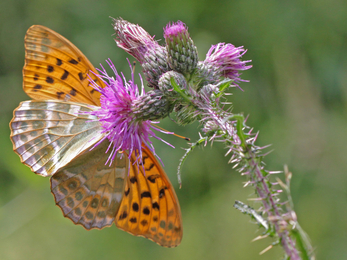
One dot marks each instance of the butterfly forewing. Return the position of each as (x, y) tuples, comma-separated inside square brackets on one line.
[(48, 134), (88, 190), (56, 69), (150, 206)]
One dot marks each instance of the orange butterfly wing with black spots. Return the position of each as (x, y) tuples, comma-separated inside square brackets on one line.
[(52, 137), (56, 69), (150, 206)]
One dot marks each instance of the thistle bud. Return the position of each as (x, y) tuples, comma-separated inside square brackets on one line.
[(207, 73), (154, 64), (166, 87), (132, 38), (182, 53), (141, 45), (151, 106)]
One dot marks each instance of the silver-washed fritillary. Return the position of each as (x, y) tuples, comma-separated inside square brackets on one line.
[(53, 136)]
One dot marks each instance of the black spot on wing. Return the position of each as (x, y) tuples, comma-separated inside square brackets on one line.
[(144, 159), (50, 80), (177, 229), (133, 220), (161, 193), (155, 205), (50, 68), (65, 75), (80, 75), (73, 92), (146, 194), (59, 94), (59, 62), (135, 207), (152, 178), (37, 87), (146, 211), (123, 215), (150, 167), (73, 61)]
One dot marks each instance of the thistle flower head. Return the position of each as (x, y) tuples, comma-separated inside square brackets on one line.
[(141, 45), (181, 51), (225, 60), (119, 115), (133, 38), (176, 30)]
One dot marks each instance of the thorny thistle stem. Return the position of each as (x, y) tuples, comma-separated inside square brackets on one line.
[(247, 158), (194, 90), (259, 177)]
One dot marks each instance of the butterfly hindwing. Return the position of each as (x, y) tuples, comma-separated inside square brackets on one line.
[(88, 190), (150, 206), (48, 134), (56, 69)]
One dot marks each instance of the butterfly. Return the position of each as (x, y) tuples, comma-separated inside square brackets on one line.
[(53, 135)]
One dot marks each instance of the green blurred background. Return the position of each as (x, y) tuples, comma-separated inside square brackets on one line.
[(296, 97)]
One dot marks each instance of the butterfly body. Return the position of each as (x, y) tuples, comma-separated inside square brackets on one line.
[(56, 137)]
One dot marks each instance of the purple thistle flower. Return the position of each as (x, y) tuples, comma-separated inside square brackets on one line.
[(178, 29), (141, 45), (226, 62), (125, 130)]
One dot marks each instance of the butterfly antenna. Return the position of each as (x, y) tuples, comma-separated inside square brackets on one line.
[(180, 136), (134, 65), (183, 137)]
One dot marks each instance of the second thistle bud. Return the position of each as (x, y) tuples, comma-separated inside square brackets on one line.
[(152, 106), (182, 53), (166, 87)]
